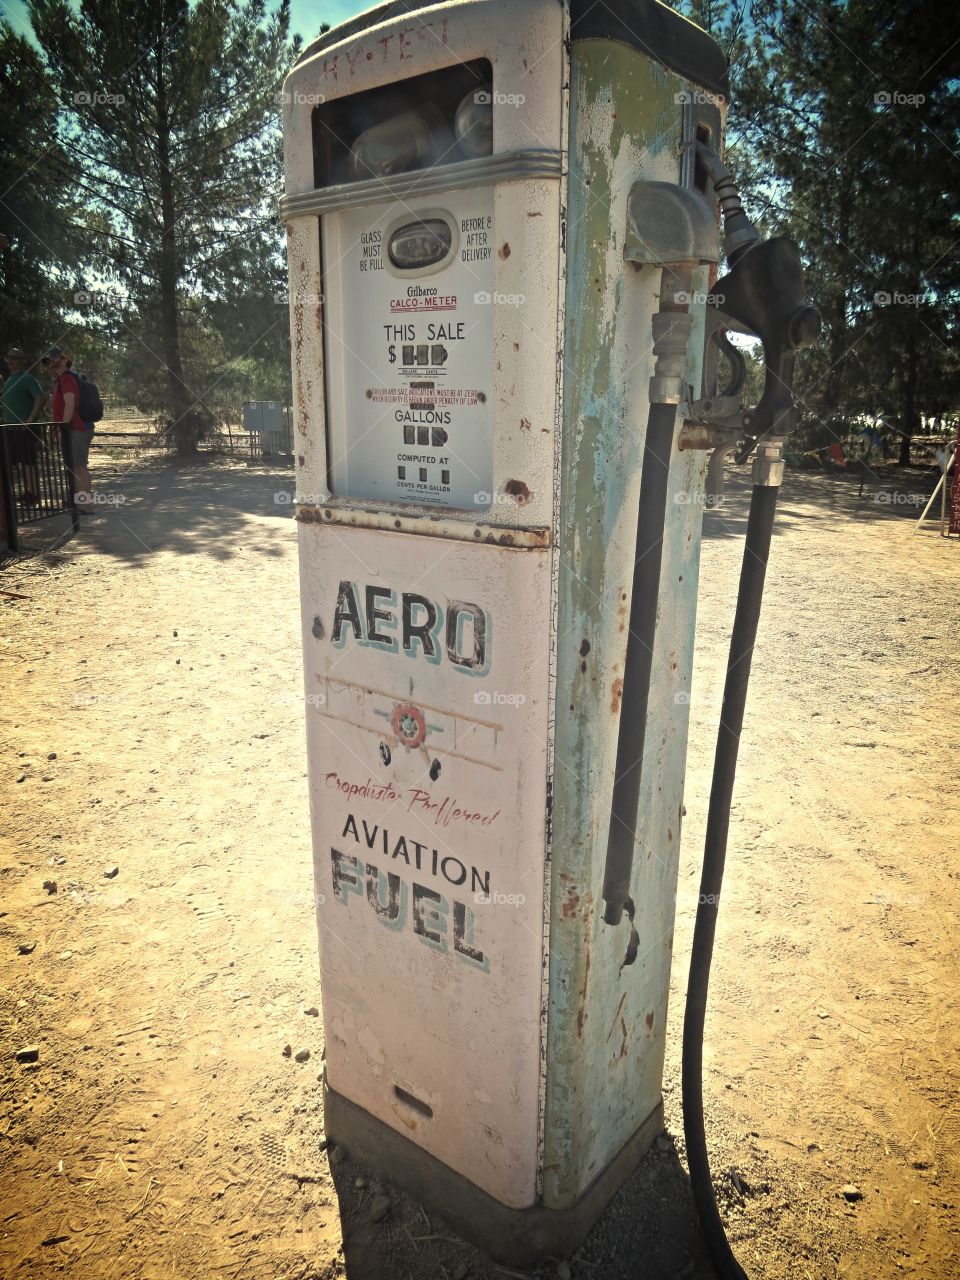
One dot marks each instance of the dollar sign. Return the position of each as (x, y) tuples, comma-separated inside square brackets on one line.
[(392, 353)]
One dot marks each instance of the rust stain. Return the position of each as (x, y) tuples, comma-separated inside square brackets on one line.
[(623, 1046), (616, 1016), (571, 899), (309, 515), (403, 1117), (524, 422), (301, 460), (649, 1019), (517, 489), (582, 1003), (505, 251), (616, 695)]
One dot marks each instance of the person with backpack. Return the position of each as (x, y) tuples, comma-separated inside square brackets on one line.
[(75, 402)]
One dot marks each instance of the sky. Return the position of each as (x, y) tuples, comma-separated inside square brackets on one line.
[(306, 16)]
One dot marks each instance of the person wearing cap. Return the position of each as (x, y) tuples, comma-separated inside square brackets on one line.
[(65, 400), (22, 401)]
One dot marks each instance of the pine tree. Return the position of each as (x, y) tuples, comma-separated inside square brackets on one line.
[(852, 118), (37, 248), (174, 147)]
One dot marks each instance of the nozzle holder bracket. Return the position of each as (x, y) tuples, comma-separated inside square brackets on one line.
[(669, 225)]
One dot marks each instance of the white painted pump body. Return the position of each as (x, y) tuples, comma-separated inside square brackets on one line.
[(467, 495)]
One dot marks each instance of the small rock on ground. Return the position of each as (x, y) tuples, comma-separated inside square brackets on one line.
[(379, 1208), (29, 1053)]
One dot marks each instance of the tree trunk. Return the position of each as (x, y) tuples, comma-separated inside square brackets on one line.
[(184, 418), (908, 409), (837, 319), (909, 416)]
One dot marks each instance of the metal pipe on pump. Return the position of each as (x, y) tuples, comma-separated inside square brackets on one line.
[(672, 228), (762, 294)]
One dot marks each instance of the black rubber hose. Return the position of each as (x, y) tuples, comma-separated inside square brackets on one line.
[(638, 663), (756, 551)]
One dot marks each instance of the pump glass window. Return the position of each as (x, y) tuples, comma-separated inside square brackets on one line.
[(441, 118)]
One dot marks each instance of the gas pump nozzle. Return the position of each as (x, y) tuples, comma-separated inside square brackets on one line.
[(762, 294)]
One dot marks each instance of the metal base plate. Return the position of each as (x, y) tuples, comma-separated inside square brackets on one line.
[(513, 1237)]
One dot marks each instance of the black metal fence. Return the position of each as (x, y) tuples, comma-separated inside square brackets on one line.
[(36, 477)]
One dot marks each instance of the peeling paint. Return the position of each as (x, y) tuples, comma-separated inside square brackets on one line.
[(625, 125)]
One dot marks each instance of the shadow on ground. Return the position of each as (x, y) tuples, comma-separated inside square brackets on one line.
[(649, 1229), (836, 497), (183, 506)]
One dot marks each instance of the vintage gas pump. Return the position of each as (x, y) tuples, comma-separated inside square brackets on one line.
[(502, 231)]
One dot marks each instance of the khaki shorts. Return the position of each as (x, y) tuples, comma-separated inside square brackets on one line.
[(80, 445)]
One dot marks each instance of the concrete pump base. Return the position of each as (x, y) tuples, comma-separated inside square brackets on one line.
[(513, 1237)]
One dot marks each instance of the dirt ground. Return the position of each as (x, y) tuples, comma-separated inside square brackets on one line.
[(152, 722)]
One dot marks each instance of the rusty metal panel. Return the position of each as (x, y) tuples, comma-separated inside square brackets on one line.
[(426, 687), (608, 989)]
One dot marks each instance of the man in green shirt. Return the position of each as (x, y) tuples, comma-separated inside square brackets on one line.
[(22, 401)]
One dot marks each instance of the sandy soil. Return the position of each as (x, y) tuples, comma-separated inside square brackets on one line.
[(152, 723)]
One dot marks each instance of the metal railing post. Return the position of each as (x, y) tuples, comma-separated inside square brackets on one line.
[(66, 443), (6, 495)]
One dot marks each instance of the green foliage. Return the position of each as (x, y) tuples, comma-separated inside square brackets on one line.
[(40, 248), (846, 120), (173, 148)]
